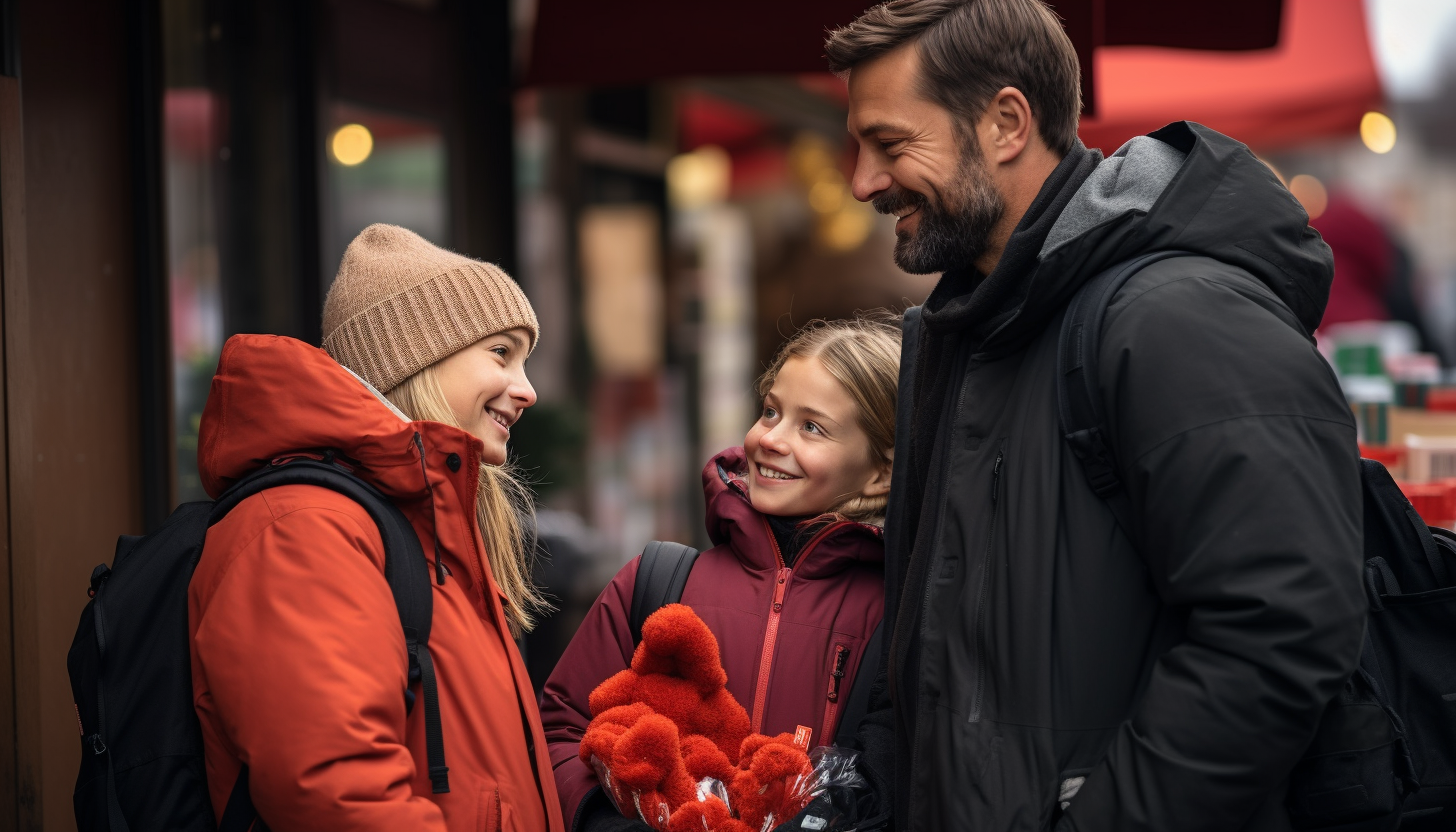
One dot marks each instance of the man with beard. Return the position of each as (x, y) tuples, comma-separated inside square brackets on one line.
[(1045, 667)]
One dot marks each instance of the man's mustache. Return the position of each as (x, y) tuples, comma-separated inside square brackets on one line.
[(898, 201)]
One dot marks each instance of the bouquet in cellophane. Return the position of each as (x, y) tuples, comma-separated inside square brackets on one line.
[(671, 746)]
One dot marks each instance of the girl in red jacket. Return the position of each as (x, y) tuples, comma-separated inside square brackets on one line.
[(299, 668), (793, 587)]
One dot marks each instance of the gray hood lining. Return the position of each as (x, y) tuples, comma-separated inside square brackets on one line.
[(1128, 181)]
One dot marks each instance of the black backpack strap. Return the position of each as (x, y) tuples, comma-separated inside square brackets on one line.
[(662, 573), (1079, 401), (1394, 531), (405, 568), (239, 814), (904, 428), (858, 703)]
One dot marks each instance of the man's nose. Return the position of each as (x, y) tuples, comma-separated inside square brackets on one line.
[(870, 177)]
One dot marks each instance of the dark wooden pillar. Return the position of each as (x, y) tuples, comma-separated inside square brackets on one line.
[(72, 468)]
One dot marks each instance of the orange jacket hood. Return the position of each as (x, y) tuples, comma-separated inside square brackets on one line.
[(274, 396)]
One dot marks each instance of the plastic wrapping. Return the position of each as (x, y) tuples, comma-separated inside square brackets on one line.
[(629, 801), (831, 773)]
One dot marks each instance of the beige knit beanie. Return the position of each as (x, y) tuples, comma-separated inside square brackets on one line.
[(401, 303)]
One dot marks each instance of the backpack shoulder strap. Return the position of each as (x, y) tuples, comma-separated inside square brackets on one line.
[(1079, 399), (405, 568), (662, 573), (858, 703)]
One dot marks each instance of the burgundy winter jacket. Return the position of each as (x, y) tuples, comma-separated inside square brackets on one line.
[(779, 628)]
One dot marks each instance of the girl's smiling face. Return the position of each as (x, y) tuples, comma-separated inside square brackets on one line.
[(486, 387), (807, 452)]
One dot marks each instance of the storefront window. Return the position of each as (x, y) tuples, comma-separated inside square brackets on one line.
[(192, 149), (383, 167)]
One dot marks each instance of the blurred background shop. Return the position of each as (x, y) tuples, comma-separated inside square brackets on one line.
[(667, 180)]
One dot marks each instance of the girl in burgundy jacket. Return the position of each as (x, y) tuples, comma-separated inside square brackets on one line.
[(793, 586)]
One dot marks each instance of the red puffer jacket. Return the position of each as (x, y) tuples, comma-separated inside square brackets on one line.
[(298, 657), (780, 629)]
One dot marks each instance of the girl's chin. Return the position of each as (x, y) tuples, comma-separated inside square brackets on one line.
[(772, 507), (494, 452)]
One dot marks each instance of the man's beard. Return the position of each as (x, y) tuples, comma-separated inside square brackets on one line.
[(954, 229)]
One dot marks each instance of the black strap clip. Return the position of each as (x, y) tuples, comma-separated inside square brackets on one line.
[(1096, 458)]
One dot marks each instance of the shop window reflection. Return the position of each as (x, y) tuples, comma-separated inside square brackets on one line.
[(383, 167), (192, 146)]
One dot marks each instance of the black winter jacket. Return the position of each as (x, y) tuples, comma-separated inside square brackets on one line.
[(1181, 674)]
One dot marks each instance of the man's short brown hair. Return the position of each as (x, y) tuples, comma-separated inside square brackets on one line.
[(970, 50)]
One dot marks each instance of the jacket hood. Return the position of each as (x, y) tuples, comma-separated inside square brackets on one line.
[(1182, 188), (732, 521), (274, 396)]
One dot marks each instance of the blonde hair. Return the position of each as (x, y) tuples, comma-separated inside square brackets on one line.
[(503, 507), (863, 355)]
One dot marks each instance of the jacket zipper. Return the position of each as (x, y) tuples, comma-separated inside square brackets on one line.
[(771, 632), (985, 588), (440, 570), (836, 676)]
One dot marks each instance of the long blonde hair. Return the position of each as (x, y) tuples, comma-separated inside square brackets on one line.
[(863, 355), (503, 507)]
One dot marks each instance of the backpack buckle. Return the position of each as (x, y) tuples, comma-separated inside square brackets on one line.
[(1096, 458), (98, 575)]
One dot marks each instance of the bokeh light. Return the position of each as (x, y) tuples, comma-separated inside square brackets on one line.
[(351, 144), (1377, 131), (699, 178), (1311, 194)]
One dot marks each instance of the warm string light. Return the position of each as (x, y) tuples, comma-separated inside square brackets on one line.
[(1377, 131), (1311, 194), (842, 223), (351, 144)]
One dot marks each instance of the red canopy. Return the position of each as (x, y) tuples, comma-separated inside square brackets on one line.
[(1318, 81), (607, 42)]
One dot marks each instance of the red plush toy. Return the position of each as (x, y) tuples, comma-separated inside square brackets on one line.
[(667, 722), (709, 815), (676, 671), (766, 773)]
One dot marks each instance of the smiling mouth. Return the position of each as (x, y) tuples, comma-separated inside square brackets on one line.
[(770, 474), (500, 419)]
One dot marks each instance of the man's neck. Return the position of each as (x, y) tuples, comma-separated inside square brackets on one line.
[(1019, 182)]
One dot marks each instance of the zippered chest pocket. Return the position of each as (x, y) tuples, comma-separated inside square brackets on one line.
[(841, 673)]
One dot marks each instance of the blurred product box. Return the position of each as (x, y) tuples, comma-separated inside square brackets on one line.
[(1430, 458), (1359, 359), (1372, 422)]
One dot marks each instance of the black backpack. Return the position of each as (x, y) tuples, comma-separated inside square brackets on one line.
[(662, 573), (1384, 755), (130, 663)]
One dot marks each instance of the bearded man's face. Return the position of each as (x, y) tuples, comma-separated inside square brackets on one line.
[(922, 164), (954, 217)]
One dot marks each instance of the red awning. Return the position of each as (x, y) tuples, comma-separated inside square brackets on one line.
[(1317, 82), (605, 43)]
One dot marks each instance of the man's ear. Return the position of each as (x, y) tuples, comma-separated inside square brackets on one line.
[(1007, 126), (879, 484)]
